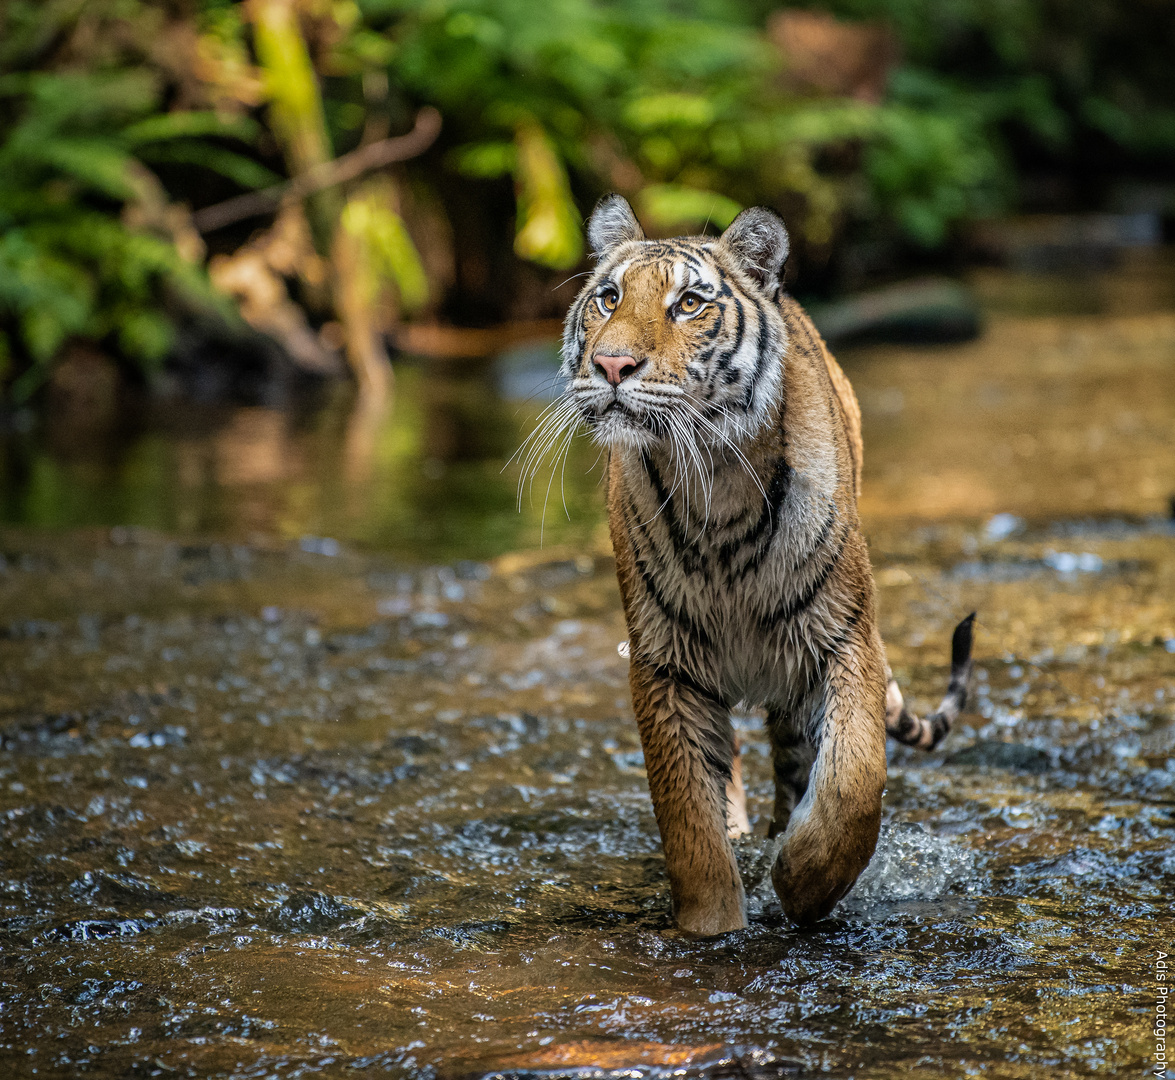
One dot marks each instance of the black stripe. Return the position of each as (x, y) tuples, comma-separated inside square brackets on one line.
[(704, 355), (716, 752), (759, 364), (906, 727), (711, 743), (789, 611), (686, 552), (740, 329), (769, 517), (682, 678), (673, 614), (651, 552), (818, 543), (719, 323), (812, 343), (833, 651), (718, 525), (761, 352)]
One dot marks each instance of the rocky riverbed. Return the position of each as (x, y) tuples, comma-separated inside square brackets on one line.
[(281, 799)]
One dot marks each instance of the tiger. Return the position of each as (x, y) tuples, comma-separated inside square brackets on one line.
[(734, 459)]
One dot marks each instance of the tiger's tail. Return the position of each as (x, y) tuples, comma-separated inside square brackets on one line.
[(926, 733)]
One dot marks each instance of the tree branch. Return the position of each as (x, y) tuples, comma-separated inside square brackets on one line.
[(373, 156)]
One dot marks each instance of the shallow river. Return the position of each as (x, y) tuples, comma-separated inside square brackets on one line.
[(314, 764)]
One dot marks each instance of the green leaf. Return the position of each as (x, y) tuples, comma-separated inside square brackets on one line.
[(146, 335), (95, 163), (485, 160), (549, 231), (668, 110), (175, 125), (369, 216), (235, 167)]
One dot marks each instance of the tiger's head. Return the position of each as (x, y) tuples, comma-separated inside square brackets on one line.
[(677, 339)]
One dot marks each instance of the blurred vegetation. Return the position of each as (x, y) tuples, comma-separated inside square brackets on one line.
[(118, 118)]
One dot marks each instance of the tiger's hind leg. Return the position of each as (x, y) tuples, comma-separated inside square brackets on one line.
[(926, 733), (793, 756), (737, 822)]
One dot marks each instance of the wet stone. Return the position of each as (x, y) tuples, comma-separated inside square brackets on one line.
[(990, 754), (313, 911)]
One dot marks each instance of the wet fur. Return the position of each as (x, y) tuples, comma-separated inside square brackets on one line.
[(733, 477)]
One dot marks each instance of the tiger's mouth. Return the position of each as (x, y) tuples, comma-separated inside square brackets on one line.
[(616, 413), (616, 422)]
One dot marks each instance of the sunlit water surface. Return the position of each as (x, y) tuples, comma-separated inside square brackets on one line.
[(302, 775)]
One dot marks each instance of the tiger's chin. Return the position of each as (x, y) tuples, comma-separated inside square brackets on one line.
[(619, 429)]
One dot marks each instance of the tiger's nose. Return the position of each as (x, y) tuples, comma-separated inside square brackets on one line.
[(615, 368)]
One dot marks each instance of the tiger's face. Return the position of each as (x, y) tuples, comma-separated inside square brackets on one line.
[(678, 339)]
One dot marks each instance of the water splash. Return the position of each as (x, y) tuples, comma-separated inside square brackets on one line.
[(910, 863)]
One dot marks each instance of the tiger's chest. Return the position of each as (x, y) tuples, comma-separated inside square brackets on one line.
[(729, 577)]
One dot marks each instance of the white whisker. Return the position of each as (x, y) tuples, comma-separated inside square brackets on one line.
[(682, 440), (542, 418), (536, 446), (562, 451), (705, 479), (552, 438), (560, 423), (585, 273), (728, 442)]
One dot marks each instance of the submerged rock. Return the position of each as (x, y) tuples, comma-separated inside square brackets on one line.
[(929, 309), (993, 754)]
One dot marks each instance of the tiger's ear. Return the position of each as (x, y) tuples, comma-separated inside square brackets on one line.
[(612, 222), (757, 240)]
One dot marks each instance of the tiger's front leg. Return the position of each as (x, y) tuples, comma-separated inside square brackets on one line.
[(832, 832), (688, 746)]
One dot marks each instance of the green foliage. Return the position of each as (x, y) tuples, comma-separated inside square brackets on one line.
[(72, 145), (688, 96), (646, 92), (1047, 71), (83, 274), (548, 222), (679, 104), (933, 161), (683, 107), (673, 208), (392, 256)]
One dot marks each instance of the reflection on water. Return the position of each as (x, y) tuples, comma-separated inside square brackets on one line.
[(1044, 416), (298, 781), (424, 476)]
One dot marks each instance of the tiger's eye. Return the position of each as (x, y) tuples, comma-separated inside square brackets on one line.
[(609, 299), (689, 303)]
